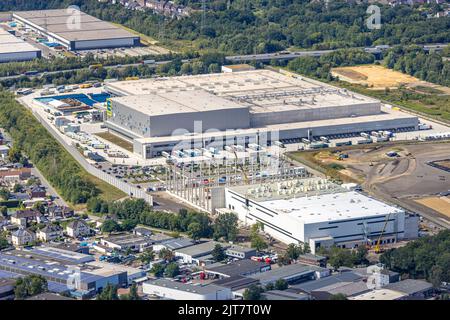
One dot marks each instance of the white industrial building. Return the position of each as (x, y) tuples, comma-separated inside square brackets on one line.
[(15, 49), (175, 290), (248, 106), (76, 30), (319, 213)]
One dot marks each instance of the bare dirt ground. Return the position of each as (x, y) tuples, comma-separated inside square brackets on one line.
[(440, 204), (378, 78)]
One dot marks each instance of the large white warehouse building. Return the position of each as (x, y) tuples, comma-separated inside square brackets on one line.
[(76, 30), (15, 49), (158, 114), (319, 213)]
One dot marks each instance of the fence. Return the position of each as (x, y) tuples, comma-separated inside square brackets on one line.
[(125, 187)]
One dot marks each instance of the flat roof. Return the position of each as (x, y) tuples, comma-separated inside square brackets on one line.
[(379, 294), (61, 22), (126, 239), (176, 285), (261, 90), (330, 207), (62, 254), (200, 249), (285, 272), (176, 102), (410, 286), (328, 282), (177, 243), (241, 267), (11, 44)]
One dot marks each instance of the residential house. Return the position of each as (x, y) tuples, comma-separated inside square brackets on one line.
[(24, 217), (49, 232), (37, 192), (78, 228), (60, 212), (22, 237)]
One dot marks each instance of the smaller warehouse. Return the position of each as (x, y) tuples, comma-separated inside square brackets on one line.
[(175, 290), (15, 49)]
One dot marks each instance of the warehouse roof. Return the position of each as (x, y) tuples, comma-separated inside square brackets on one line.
[(235, 282), (176, 102), (330, 207), (379, 294), (11, 44), (410, 286), (200, 249), (177, 243), (241, 267), (323, 283), (200, 289), (65, 24), (284, 295), (285, 272), (61, 254), (261, 90)]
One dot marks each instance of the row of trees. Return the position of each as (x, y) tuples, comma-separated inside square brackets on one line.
[(208, 63), (321, 67), (254, 292), (133, 211), (62, 171), (242, 26), (425, 258)]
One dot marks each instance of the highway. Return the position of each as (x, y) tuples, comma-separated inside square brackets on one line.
[(286, 55), (44, 73)]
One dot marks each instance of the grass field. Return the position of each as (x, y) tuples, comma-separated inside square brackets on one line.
[(108, 192), (374, 76), (439, 204), (116, 140)]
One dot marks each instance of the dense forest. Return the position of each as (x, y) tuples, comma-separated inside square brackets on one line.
[(416, 62), (425, 258), (62, 171), (268, 25)]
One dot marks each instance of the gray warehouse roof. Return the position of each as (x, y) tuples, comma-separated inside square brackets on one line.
[(410, 286), (176, 102), (242, 267), (200, 289), (11, 44), (285, 272), (322, 284), (200, 249), (64, 23)]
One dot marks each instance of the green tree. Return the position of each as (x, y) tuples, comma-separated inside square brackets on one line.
[(338, 296), (218, 253), (17, 187), (166, 254), (132, 295), (253, 293), (172, 270), (226, 226), (256, 239), (195, 230), (110, 226), (158, 269), (109, 292), (3, 242), (29, 286), (281, 284), (3, 211), (4, 194), (147, 256)]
